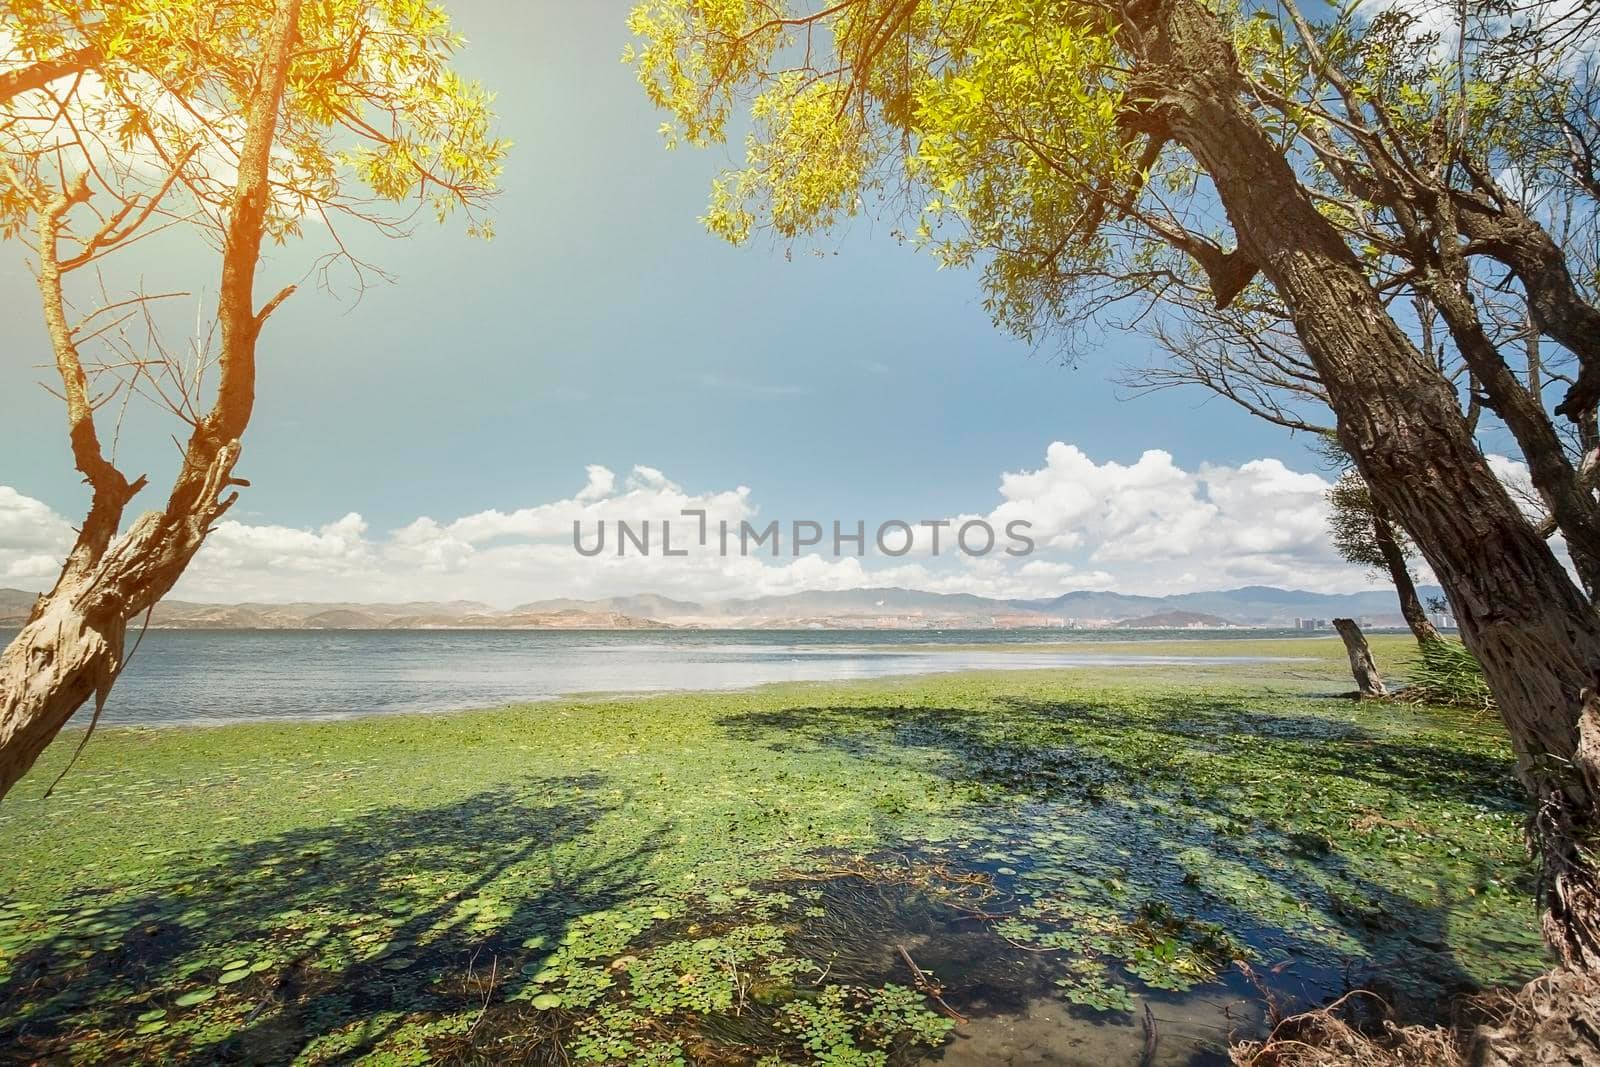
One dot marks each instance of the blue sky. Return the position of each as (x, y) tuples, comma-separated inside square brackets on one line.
[(603, 326)]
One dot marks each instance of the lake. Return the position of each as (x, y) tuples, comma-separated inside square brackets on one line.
[(216, 676)]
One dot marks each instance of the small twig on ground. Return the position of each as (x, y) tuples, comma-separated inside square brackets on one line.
[(259, 1008), (488, 994), (1274, 1009), (928, 986), (823, 976), (1150, 1038)]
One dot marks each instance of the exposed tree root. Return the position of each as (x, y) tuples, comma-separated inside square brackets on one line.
[(1553, 1021)]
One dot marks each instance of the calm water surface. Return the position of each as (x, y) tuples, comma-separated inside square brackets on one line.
[(210, 676)]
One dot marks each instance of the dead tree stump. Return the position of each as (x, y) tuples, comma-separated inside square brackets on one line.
[(1368, 680)]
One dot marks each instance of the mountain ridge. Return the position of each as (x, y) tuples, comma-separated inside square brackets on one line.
[(886, 607)]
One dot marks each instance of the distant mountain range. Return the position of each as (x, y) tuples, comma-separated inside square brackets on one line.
[(890, 608)]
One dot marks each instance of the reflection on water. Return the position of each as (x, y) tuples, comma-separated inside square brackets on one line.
[(189, 676)]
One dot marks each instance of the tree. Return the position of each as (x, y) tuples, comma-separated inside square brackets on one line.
[(239, 121), (1363, 533), (1085, 154), (1248, 355)]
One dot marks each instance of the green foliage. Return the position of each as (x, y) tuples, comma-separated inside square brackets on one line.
[(1012, 135), (1086, 985), (383, 880), (1445, 672), (996, 126), (1486, 96), (852, 1027), (1350, 521), (372, 108)]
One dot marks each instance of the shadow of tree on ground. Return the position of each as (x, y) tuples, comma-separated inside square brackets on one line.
[(341, 931), (405, 927), (1216, 806)]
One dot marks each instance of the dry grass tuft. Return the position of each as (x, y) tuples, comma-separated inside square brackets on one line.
[(1553, 1021)]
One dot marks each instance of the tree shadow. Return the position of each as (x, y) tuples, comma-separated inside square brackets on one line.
[(344, 930), (401, 916), (1124, 781)]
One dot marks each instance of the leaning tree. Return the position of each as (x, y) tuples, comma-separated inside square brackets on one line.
[(240, 122), (1247, 354), (1084, 153), (1364, 534)]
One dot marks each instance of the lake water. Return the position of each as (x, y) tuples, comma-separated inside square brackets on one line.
[(214, 676)]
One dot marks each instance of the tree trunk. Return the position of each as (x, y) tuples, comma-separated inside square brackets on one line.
[(71, 646), (70, 649), (1394, 559), (1533, 631), (1571, 506), (1369, 682), (59, 660), (1500, 228)]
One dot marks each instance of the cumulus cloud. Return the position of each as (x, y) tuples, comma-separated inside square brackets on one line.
[(1149, 526), (33, 540)]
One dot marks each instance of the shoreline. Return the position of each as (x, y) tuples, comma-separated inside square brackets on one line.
[(1115, 658)]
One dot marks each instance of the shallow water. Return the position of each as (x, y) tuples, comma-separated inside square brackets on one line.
[(1013, 1014), (216, 676)]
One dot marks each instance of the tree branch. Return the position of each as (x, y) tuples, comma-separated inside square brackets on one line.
[(38, 75)]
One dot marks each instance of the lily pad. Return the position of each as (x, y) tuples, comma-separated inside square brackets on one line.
[(193, 997), (238, 974), (546, 1001)]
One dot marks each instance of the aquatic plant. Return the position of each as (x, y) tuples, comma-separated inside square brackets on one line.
[(685, 877)]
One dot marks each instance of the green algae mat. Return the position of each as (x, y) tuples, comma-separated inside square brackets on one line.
[(1015, 867)]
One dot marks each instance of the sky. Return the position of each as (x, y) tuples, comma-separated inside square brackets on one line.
[(604, 357)]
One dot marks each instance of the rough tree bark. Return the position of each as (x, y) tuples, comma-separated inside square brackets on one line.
[(1394, 558), (1444, 275), (71, 647), (1369, 683), (1530, 627)]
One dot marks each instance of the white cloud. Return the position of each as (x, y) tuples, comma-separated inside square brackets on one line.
[(1513, 474), (33, 540), (1150, 526)]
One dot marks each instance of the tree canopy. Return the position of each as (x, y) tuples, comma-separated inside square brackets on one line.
[(154, 95)]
